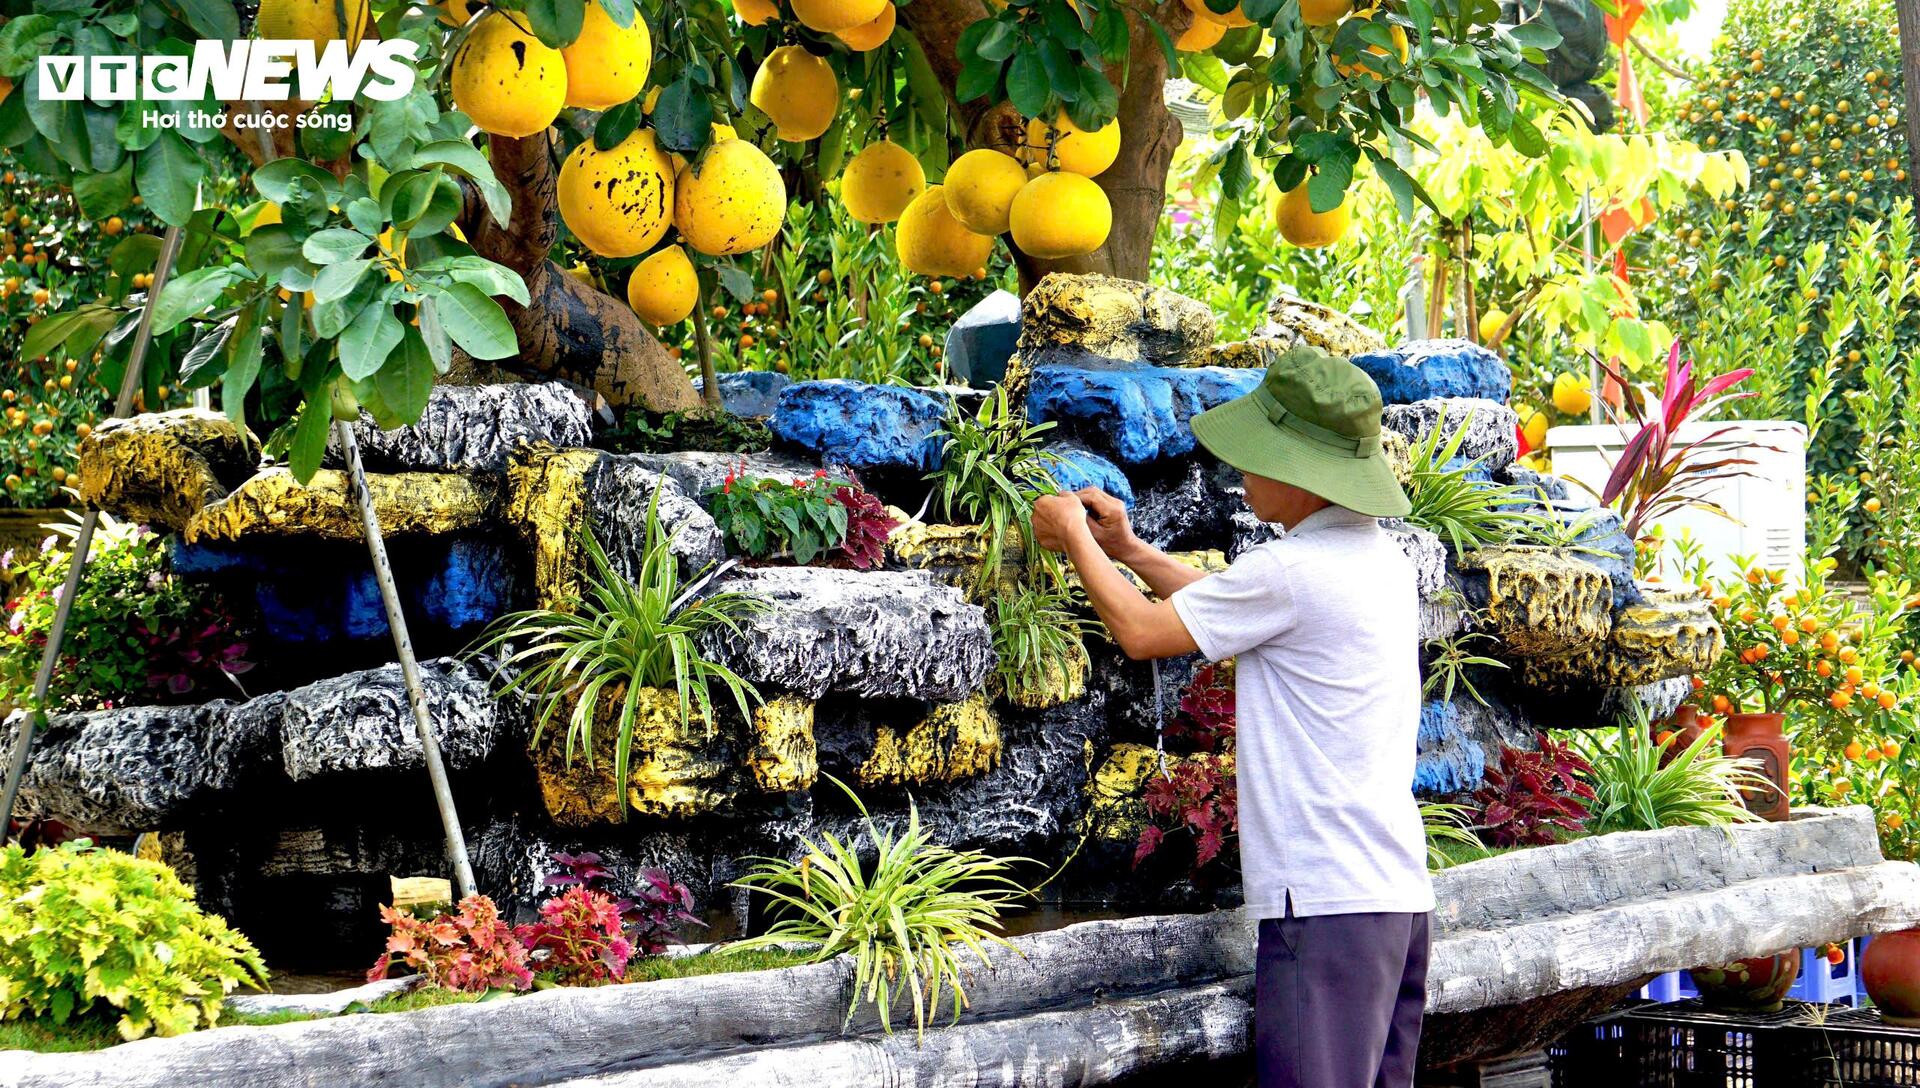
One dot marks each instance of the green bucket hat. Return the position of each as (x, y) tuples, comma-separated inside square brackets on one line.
[(1313, 422)]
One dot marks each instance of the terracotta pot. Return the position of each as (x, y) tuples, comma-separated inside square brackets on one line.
[(1890, 967), (1759, 737), (1759, 984), (1685, 727)]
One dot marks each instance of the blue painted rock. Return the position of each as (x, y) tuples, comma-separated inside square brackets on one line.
[(861, 426), (1423, 369), (750, 392), (1449, 761), (1135, 413), (1078, 467)]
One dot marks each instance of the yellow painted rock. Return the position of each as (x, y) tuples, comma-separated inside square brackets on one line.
[(931, 242), (274, 504), (980, 188), (619, 202), (729, 200), (955, 741), (881, 181), (870, 36), (828, 16), (1074, 149), (1302, 226), (783, 757), (608, 63), (663, 288), (506, 81), (1060, 215), (164, 467), (798, 91), (317, 21)]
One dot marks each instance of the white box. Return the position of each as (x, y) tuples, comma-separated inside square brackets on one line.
[(1769, 504)]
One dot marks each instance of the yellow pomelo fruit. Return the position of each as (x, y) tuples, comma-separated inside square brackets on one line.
[(1490, 323), (881, 181), (455, 12), (1324, 12), (1234, 18), (6, 88), (828, 16), (1397, 35), (1077, 151), (505, 81), (798, 91), (756, 12), (617, 202), (317, 21), (663, 288), (1533, 423), (1203, 35), (931, 242), (1306, 228), (1060, 215), (980, 188), (729, 200), (1572, 393), (870, 36), (607, 64)]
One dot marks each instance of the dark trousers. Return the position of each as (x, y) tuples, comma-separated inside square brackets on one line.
[(1338, 1000)]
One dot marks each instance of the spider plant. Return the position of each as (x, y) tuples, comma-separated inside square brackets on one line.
[(1451, 660), (904, 922), (1699, 787), (991, 467), (1468, 514), (616, 638), (1448, 825), (1038, 640)]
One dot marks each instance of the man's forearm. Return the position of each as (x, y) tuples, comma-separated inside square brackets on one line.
[(1162, 572), (1142, 628)]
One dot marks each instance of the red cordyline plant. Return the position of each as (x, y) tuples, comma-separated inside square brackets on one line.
[(1533, 796), (470, 949), (579, 939), (1653, 476)]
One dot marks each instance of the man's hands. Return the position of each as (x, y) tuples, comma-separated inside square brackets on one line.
[(1057, 517)]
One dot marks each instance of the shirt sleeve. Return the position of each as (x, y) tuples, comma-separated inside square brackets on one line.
[(1239, 608)]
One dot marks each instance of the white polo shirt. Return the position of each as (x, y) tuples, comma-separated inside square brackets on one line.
[(1325, 623)]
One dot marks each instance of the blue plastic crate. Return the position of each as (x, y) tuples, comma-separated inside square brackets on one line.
[(1672, 986), (1824, 983)]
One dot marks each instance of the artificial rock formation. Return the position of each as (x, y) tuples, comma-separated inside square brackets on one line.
[(273, 504), (1671, 633), (1088, 320), (162, 468), (1538, 601), (954, 741), (840, 422), (783, 757), (878, 633), (1491, 441), (1136, 413), (1291, 319), (468, 428), (1424, 369)]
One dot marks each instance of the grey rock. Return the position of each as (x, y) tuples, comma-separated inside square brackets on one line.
[(331, 1003), (983, 339), (1192, 508), (124, 771), (1440, 599), (363, 722), (618, 489), (469, 428), (1249, 532), (879, 633), (1490, 437)]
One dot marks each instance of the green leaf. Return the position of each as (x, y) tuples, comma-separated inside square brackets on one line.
[(1206, 70), (466, 160), (366, 216), (169, 174), (102, 195), (23, 41), (1027, 86), (325, 142), (335, 244), (187, 295), (1328, 185), (244, 355), (620, 11), (556, 22), (682, 118), (737, 282), (48, 334), (366, 342), (206, 360), (407, 378), (1110, 31), (310, 435), (977, 79), (293, 330), (135, 253), (1526, 139), (272, 249), (491, 278), (476, 322), (212, 18), (274, 180), (998, 42), (434, 335), (616, 125), (338, 280)]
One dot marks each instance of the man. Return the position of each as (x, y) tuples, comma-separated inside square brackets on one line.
[(1324, 625)]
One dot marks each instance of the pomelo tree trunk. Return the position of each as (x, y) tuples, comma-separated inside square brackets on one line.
[(1136, 183)]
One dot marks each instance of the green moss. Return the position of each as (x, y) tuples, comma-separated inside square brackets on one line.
[(654, 968), (78, 1034)]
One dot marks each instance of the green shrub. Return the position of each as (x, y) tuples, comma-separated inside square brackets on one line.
[(1465, 513), (991, 467), (82, 928), (1634, 790), (1039, 641)]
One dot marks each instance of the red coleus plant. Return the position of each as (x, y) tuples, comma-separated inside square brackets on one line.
[(579, 939), (650, 914), (1533, 796), (1653, 476), (1206, 718), (470, 949), (1198, 797), (868, 524)]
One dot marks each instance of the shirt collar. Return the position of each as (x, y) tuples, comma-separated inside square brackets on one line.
[(1331, 517)]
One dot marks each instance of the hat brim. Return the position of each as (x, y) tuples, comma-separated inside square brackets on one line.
[(1240, 434)]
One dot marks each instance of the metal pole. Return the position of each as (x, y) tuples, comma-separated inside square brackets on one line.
[(35, 719), (409, 667)]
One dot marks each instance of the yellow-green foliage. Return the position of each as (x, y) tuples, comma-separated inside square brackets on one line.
[(81, 926)]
